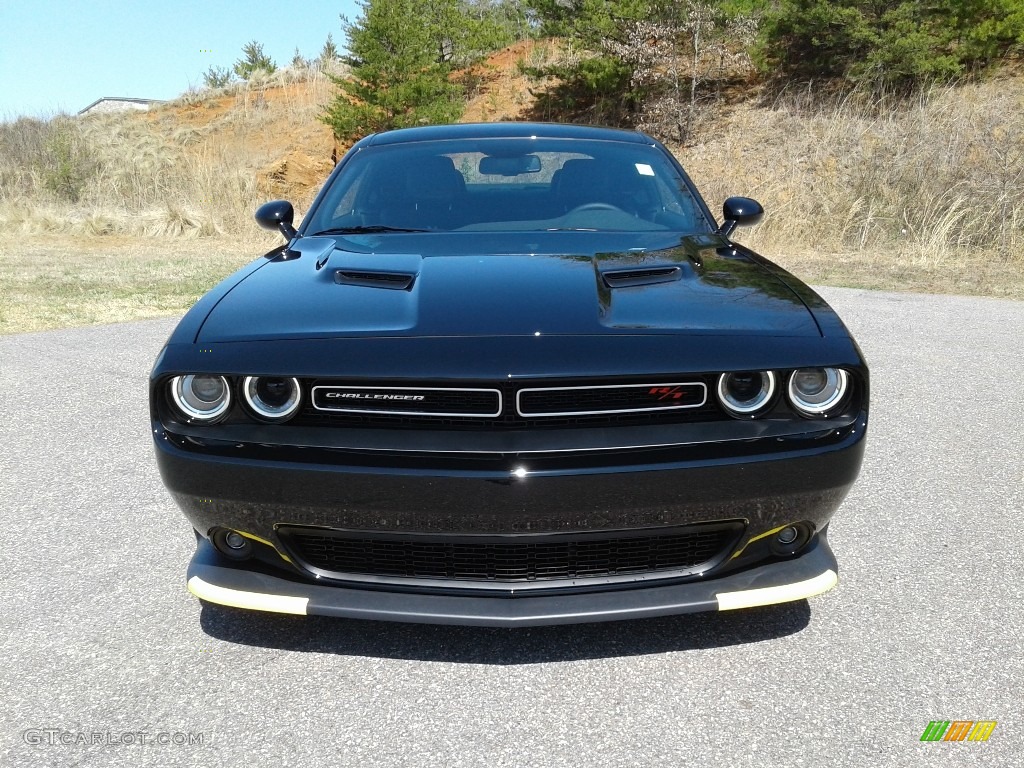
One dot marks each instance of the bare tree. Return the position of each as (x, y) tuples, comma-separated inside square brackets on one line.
[(673, 58)]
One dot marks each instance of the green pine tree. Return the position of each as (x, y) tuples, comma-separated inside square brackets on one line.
[(900, 45), (255, 60), (402, 55)]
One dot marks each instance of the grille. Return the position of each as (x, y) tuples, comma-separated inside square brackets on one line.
[(422, 401), (511, 559), (509, 405), (576, 401)]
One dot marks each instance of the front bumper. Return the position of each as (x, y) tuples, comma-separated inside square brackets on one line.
[(773, 484), (797, 479), (216, 579)]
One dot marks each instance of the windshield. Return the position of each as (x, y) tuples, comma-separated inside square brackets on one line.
[(518, 184)]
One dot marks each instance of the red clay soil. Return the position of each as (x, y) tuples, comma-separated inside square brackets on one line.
[(291, 158)]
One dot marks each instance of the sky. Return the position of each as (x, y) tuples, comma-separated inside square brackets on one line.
[(62, 55)]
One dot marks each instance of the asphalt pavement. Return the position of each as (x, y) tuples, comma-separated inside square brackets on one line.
[(107, 660)]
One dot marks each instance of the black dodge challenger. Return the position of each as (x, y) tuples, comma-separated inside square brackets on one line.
[(509, 374)]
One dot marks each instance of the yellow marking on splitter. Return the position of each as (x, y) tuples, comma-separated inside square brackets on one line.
[(784, 593), (237, 598)]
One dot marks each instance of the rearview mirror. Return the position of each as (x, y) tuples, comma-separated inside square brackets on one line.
[(509, 166)]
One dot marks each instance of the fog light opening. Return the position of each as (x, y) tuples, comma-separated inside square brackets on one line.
[(232, 544), (786, 536), (791, 539)]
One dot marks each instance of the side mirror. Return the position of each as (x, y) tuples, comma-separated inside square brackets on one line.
[(739, 212), (277, 215)]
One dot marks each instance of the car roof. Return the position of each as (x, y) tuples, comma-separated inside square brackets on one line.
[(509, 130)]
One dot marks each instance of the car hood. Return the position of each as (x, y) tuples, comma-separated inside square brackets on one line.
[(495, 284)]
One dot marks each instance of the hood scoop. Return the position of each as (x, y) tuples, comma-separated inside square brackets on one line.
[(393, 281), (625, 278)]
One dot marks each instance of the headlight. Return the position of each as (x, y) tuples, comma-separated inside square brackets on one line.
[(746, 392), (201, 397), (272, 398), (816, 391)]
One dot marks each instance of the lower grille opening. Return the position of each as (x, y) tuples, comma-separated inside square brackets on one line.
[(511, 559)]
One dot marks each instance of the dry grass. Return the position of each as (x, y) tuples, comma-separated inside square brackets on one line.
[(925, 197), (970, 275), (164, 198), (61, 281), (196, 167), (930, 185)]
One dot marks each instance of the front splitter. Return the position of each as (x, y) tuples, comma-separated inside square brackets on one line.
[(216, 579)]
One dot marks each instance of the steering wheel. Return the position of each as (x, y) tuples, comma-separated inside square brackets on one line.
[(595, 207)]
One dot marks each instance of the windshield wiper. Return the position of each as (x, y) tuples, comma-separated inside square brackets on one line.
[(366, 230)]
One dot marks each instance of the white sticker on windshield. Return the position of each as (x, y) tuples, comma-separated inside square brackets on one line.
[(644, 170)]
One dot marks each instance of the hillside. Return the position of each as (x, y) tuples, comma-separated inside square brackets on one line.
[(924, 196), (938, 174), (274, 132)]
